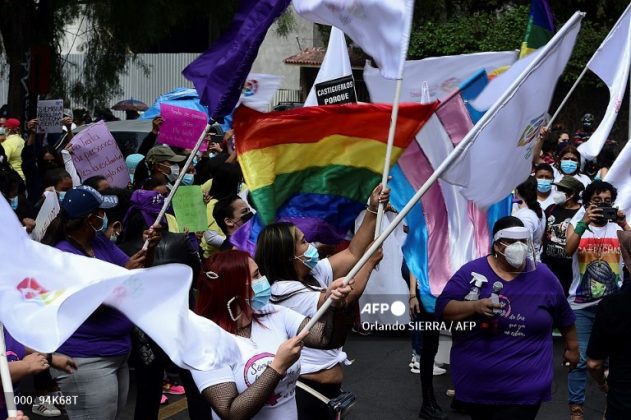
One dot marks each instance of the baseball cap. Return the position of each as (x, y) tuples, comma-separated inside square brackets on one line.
[(570, 183), (163, 153), (83, 200), (12, 123)]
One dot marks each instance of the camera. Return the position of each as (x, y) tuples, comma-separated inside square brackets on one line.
[(342, 403), (609, 213)]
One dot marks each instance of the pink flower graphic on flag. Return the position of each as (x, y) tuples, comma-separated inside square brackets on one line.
[(32, 291)]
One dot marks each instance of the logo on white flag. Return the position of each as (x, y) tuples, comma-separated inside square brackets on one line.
[(32, 291), (251, 87), (530, 133)]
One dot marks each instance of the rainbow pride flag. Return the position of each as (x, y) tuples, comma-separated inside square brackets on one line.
[(317, 166), (540, 27)]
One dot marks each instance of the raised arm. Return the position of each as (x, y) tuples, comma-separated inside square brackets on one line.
[(343, 261)]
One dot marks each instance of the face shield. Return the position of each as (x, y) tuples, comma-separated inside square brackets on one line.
[(515, 245)]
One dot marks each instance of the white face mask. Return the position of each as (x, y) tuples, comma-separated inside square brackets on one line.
[(516, 254), (175, 172), (559, 198)]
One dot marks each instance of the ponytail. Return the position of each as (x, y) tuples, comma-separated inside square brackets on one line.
[(528, 191)]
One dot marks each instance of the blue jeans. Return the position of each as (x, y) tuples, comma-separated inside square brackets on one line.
[(578, 377)]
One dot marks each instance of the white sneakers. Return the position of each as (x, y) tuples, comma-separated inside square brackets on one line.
[(415, 366), (46, 410)]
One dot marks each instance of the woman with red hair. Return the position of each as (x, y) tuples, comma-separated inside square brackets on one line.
[(260, 381)]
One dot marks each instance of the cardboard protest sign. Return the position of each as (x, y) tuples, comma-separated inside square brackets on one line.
[(181, 127), (49, 114), (189, 208), (336, 91), (95, 152), (48, 211)]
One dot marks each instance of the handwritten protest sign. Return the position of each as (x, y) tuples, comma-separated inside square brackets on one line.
[(49, 114), (181, 127), (95, 152), (189, 208), (48, 211)]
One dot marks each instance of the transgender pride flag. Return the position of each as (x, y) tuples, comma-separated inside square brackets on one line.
[(446, 230)]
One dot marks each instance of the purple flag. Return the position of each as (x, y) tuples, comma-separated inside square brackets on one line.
[(219, 73)]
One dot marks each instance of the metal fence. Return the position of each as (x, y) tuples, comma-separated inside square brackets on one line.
[(165, 74)]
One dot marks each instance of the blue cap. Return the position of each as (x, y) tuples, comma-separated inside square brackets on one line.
[(83, 200)]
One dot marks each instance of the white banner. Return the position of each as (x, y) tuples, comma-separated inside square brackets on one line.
[(619, 176), (336, 63), (611, 63), (443, 75), (47, 213)]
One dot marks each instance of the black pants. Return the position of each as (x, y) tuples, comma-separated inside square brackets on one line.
[(149, 388), (428, 354), (502, 412), (311, 408)]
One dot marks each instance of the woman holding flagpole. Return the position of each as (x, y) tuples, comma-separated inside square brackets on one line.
[(260, 381), (299, 279)]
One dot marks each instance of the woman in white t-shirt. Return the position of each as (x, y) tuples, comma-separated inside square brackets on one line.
[(530, 213), (569, 163), (259, 382), (298, 281)]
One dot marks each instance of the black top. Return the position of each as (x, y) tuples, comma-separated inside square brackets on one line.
[(611, 338)]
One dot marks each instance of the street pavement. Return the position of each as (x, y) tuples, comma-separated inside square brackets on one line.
[(386, 389)]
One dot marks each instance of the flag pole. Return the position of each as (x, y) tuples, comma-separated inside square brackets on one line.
[(455, 154), (178, 181), (7, 384), (567, 97), (386, 166), (409, 5)]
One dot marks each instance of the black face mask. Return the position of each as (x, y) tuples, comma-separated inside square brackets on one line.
[(247, 216)]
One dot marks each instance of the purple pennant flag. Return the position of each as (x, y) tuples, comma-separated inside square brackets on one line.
[(219, 73)]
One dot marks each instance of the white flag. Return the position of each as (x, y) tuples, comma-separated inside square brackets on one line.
[(443, 75), (500, 145), (619, 176), (336, 63), (46, 294), (381, 28), (611, 63), (259, 89)]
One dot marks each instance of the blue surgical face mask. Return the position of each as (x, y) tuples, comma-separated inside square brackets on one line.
[(61, 195), (103, 227), (544, 185), (568, 166), (188, 179), (262, 293), (14, 202), (311, 257)]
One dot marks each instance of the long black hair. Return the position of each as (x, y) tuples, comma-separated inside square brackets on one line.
[(528, 191)]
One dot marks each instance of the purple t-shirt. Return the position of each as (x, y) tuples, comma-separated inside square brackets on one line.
[(106, 332), (510, 361), (15, 352)]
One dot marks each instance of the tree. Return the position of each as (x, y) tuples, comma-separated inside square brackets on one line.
[(32, 30)]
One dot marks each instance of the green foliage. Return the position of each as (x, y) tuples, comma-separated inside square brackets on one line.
[(286, 23), (500, 30), (480, 31)]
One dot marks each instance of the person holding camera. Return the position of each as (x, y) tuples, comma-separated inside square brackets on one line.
[(593, 243)]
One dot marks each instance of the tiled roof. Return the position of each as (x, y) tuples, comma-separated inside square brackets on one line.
[(314, 56)]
